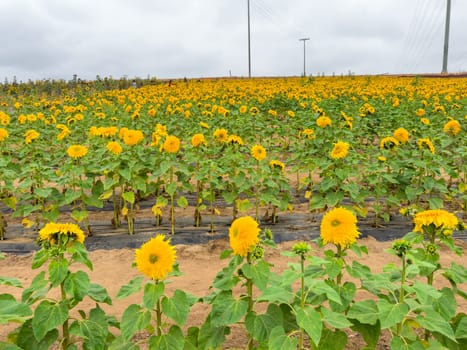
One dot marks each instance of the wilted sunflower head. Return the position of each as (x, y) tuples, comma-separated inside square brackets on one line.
[(426, 144), (244, 235), (339, 226), (155, 258)]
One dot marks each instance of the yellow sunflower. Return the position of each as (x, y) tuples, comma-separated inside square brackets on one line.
[(198, 140), (133, 137), (420, 112), (425, 121), (221, 135), (243, 235), (339, 226), (426, 144), (323, 121), (388, 143), (114, 147), (3, 134), (171, 144), (401, 135), (55, 232), (452, 127), (258, 152), (340, 150), (30, 136), (442, 220), (276, 164), (155, 258), (235, 139), (77, 151)]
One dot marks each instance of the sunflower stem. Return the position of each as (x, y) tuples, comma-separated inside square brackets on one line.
[(158, 317), (172, 206)]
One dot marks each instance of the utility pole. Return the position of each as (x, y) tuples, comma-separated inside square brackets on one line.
[(304, 55), (446, 38), (249, 47)]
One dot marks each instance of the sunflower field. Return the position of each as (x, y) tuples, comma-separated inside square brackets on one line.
[(348, 147)]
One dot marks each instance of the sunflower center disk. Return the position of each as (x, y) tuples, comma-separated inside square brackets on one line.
[(153, 259)]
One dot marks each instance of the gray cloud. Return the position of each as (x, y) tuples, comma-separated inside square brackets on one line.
[(177, 38)]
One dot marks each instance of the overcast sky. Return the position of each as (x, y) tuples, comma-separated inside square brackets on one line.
[(44, 39)]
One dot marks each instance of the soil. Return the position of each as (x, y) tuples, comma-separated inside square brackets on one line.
[(198, 251)]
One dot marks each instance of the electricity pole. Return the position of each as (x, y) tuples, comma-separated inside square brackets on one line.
[(304, 55), (446, 38), (249, 48)]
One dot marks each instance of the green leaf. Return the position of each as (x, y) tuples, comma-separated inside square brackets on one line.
[(129, 197), (391, 314), (134, 319), (12, 310), (152, 293), (8, 346), (37, 290), (27, 341), (227, 310), (370, 333), (335, 340), (436, 203), (435, 323), (58, 270), (446, 305), (335, 319), (39, 258), (182, 202), (225, 279), (365, 311), (260, 326), (278, 340), (93, 201), (456, 273), (79, 215), (178, 307), (71, 196), (334, 198), (47, 317), (321, 287), (171, 188), (125, 173), (277, 294), (426, 293), (10, 281), (461, 329), (98, 293), (131, 287), (77, 285), (259, 273), (310, 320), (211, 337), (80, 254), (173, 340), (94, 330)]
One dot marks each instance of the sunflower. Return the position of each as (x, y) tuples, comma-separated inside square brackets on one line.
[(161, 130), (339, 226), (235, 140), (64, 131), (155, 258), (323, 121), (3, 134), (388, 143), (243, 235), (171, 144), (258, 152), (425, 121), (243, 109), (441, 220), (420, 112), (77, 151), (4, 118), (133, 137), (308, 133), (401, 135), (340, 150), (30, 136), (426, 144), (54, 232), (204, 125), (221, 135), (114, 147), (452, 127), (291, 113), (276, 164), (198, 140), (254, 111)]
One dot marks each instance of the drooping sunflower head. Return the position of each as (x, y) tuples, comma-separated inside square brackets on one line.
[(426, 144), (56, 233), (401, 135), (171, 144), (340, 150), (30, 136), (77, 151), (258, 152), (235, 140), (388, 143), (442, 221), (244, 235), (339, 226), (155, 258), (452, 127), (276, 165)]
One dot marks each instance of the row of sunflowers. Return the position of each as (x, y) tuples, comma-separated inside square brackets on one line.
[(374, 144)]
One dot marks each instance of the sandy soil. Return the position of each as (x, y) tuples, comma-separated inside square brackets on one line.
[(199, 265)]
